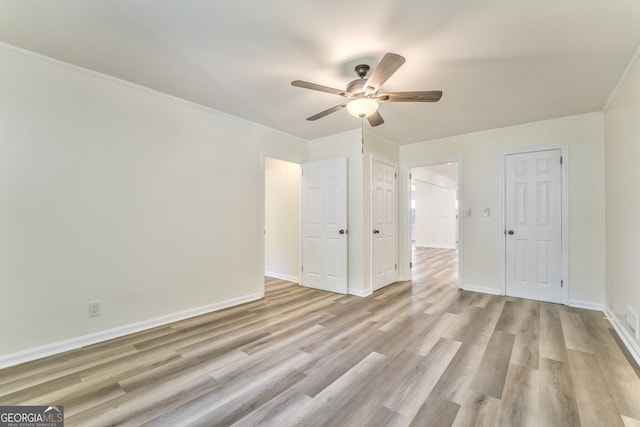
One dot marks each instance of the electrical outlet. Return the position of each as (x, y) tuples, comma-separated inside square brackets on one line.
[(94, 309), (632, 321)]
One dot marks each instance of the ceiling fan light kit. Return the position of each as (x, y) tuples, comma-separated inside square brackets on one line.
[(364, 94), (362, 107)]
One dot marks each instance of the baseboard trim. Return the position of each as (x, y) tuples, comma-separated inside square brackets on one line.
[(282, 276), (360, 292), (624, 335), (585, 304), (483, 290), (85, 340)]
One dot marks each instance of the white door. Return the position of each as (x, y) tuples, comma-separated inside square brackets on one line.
[(534, 225), (384, 243), (324, 225)]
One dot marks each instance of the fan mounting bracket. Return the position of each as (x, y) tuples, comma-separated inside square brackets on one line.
[(362, 70)]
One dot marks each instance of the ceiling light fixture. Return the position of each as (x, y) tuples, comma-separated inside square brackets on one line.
[(363, 94), (362, 107)]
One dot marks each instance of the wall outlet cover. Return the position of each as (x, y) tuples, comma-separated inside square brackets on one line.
[(95, 309)]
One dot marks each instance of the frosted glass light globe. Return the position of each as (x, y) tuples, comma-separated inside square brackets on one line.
[(362, 107)]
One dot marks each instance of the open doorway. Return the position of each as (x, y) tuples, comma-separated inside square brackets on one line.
[(435, 219), (282, 219)]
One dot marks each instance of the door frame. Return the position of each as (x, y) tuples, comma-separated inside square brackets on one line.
[(263, 179), (394, 165), (564, 207), (405, 258)]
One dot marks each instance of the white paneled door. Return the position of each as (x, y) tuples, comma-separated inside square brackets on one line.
[(533, 184), (384, 241), (324, 225)]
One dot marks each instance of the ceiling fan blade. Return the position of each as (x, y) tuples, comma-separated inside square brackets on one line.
[(375, 119), (385, 69), (418, 96), (313, 86), (326, 112)]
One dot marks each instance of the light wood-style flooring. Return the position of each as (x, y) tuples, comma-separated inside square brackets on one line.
[(420, 353)]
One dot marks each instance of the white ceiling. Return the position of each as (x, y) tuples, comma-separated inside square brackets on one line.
[(498, 62)]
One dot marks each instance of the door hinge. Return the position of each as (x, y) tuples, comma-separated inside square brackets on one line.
[(396, 266), (395, 174), (410, 176), (561, 283), (410, 265), (560, 159)]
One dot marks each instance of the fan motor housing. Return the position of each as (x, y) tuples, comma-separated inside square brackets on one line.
[(355, 87)]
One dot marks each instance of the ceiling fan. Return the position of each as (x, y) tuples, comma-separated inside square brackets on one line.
[(363, 94)]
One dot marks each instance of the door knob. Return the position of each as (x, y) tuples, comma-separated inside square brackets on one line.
[(376, 231), (342, 231), (510, 232)]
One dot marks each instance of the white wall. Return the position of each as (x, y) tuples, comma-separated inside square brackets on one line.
[(481, 157), (114, 193), (622, 153), (435, 213), (283, 186)]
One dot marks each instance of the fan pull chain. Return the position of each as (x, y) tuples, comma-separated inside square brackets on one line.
[(362, 132)]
